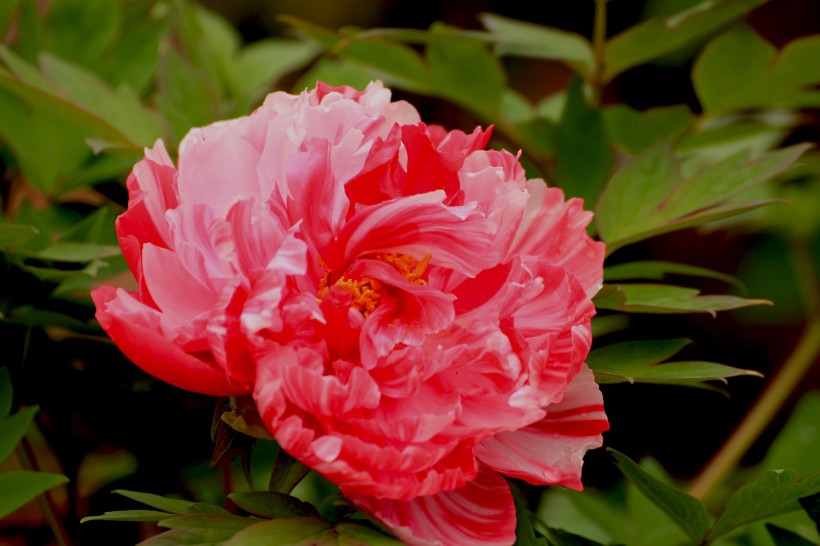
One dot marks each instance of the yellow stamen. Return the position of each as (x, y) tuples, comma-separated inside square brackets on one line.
[(410, 268)]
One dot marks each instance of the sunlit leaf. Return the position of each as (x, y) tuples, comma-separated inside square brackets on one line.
[(185, 96), (635, 131), (775, 492), (686, 511), (271, 504), (765, 78), (524, 39), (260, 64), (664, 299), (77, 252), (649, 197), (582, 155), (657, 270), (658, 36), (21, 486)]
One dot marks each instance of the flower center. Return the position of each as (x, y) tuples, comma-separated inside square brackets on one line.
[(367, 292)]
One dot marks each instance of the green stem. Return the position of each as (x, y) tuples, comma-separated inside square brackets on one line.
[(598, 49), (778, 391), (49, 508)]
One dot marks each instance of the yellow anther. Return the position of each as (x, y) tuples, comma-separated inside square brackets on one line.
[(410, 268)]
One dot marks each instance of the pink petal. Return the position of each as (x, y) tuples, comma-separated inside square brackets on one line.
[(135, 329), (556, 230), (480, 513), (176, 292), (217, 166), (551, 451)]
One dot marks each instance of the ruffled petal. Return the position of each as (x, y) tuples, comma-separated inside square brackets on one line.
[(556, 230), (480, 513), (551, 451), (135, 329)]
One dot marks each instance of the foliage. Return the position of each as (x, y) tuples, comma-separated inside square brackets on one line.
[(84, 85)]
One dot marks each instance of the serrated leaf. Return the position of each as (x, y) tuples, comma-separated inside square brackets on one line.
[(649, 197), (314, 531), (658, 36), (129, 515), (635, 131), (21, 486), (775, 492), (12, 430), (15, 234), (686, 511), (272, 504), (524, 39), (665, 299), (582, 154), (174, 506), (657, 270), (784, 537), (765, 78)]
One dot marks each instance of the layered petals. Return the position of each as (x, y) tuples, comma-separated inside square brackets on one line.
[(481, 513), (409, 312)]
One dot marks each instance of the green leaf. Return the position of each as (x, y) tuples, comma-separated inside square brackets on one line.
[(262, 63), (21, 486), (649, 197), (7, 10), (657, 270), (811, 505), (286, 473), (12, 235), (658, 36), (185, 96), (361, 535), (293, 531), (783, 537), (559, 537), (638, 361), (129, 515), (12, 430), (582, 155), (798, 443), (32, 316), (775, 492), (524, 39), (664, 299), (81, 30), (70, 251), (220, 521), (190, 537), (524, 531), (740, 70), (174, 506), (635, 131), (686, 511), (6, 393), (271, 504)]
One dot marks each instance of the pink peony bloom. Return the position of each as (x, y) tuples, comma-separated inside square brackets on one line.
[(409, 312)]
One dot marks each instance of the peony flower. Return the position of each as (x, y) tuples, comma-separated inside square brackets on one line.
[(409, 312)]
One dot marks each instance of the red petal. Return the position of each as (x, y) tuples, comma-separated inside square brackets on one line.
[(480, 513), (551, 451)]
